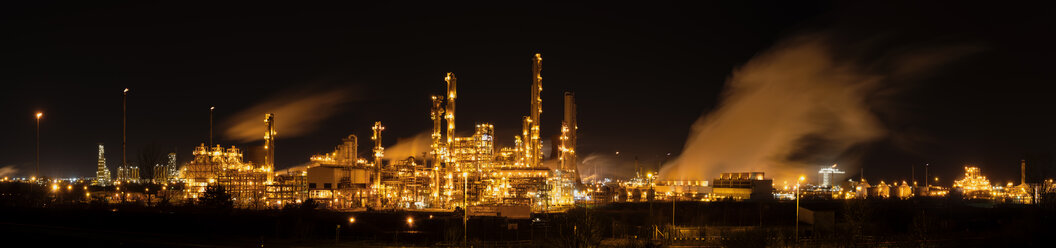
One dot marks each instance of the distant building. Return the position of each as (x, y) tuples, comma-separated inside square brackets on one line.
[(102, 174), (173, 170), (825, 175), (882, 190), (862, 189), (905, 191), (974, 184), (128, 173), (165, 173), (743, 186)]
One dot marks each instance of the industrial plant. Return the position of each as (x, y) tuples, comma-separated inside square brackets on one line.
[(474, 174), (457, 173), (469, 177)]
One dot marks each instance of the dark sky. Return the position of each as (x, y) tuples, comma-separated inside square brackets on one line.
[(643, 73)]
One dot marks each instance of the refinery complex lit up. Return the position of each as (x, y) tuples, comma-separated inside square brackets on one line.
[(475, 174), (427, 124)]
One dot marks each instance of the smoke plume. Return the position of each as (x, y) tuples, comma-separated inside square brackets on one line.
[(8, 171), (795, 107), (410, 147), (295, 114)]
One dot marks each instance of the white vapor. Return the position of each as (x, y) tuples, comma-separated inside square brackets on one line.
[(295, 114), (793, 106)]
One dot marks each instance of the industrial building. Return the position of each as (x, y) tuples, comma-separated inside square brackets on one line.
[(743, 186), (128, 173), (102, 174)]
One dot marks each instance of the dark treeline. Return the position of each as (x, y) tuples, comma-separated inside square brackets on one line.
[(34, 212)]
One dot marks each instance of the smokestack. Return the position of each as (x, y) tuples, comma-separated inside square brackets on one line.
[(1023, 172), (569, 129), (269, 145)]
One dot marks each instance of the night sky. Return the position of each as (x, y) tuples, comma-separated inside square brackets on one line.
[(642, 74)]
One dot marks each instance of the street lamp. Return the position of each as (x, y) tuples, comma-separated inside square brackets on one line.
[(124, 126), (37, 171), (798, 183), (211, 126)]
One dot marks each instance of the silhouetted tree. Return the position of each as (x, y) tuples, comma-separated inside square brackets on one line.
[(149, 156), (216, 196), (309, 204)]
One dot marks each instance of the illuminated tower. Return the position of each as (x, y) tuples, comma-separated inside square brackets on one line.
[(102, 174), (437, 115), (269, 146), (348, 151), (518, 151), (536, 154), (826, 175), (173, 171), (1023, 172), (568, 134), (449, 113), (526, 127), (379, 153)]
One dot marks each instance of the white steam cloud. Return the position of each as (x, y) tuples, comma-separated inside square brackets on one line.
[(8, 171), (409, 147), (794, 108), (295, 114)]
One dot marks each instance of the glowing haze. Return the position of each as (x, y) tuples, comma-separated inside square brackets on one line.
[(791, 109), (414, 146), (296, 114)]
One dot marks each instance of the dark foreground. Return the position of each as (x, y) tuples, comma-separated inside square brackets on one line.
[(888, 223)]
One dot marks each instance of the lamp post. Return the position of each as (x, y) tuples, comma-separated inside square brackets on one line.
[(124, 125), (798, 183), (211, 126), (36, 173)]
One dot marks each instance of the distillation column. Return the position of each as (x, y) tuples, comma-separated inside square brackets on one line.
[(348, 151), (449, 113), (524, 141), (269, 146), (379, 153), (437, 115), (534, 156)]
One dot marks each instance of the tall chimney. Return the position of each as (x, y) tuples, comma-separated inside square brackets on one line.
[(569, 130), (1023, 172), (269, 146)]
